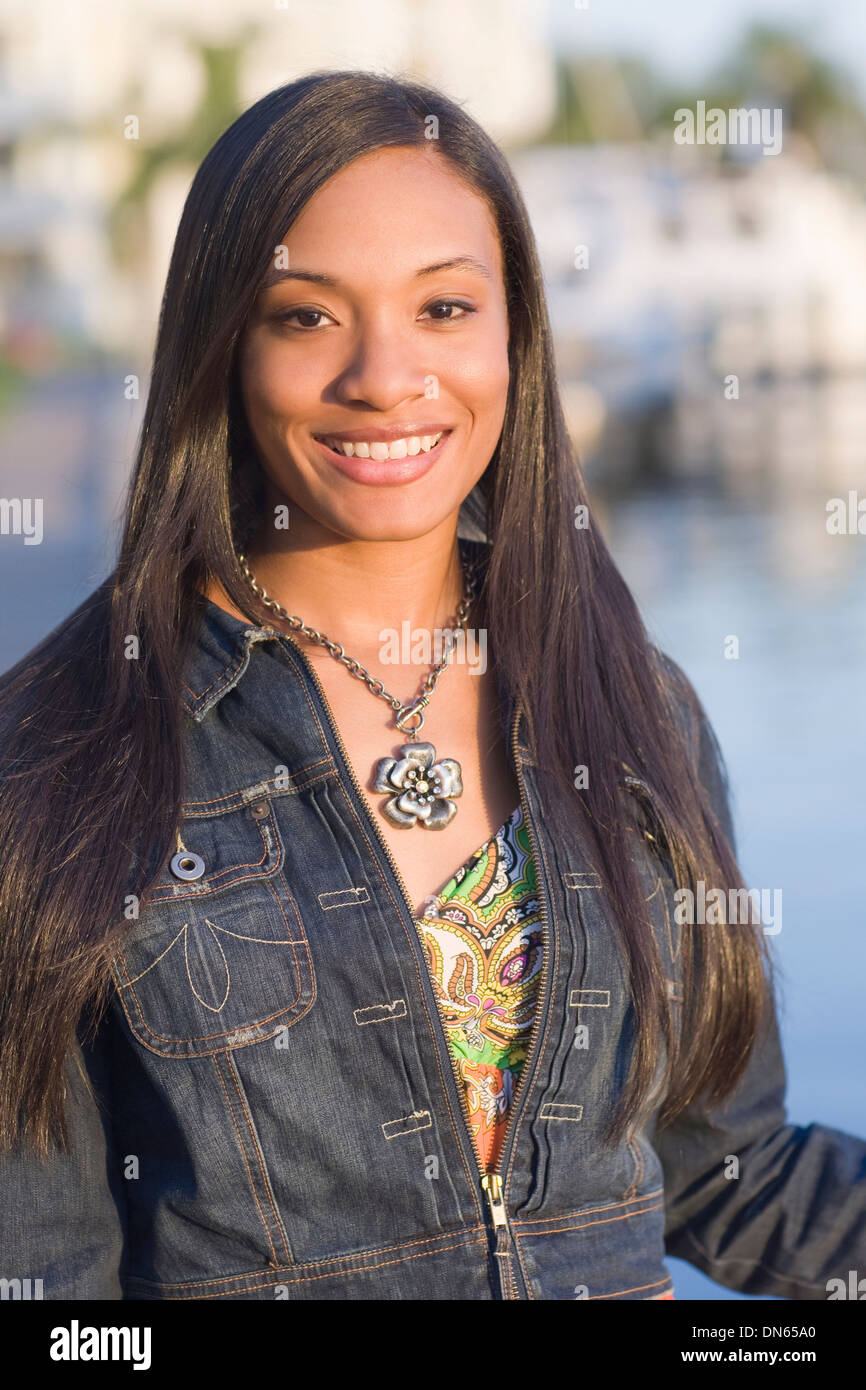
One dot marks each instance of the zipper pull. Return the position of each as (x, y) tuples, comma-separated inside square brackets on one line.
[(492, 1184)]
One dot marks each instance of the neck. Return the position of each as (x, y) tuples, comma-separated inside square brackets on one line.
[(354, 590)]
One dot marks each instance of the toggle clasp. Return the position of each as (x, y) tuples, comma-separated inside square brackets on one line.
[(408, 711)]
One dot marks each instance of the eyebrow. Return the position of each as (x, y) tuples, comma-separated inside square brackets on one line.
[(318, 277)]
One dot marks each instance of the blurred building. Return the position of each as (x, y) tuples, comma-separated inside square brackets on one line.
[(71, 78), (720, 304)]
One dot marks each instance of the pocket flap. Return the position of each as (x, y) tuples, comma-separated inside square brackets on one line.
[(222, 960)]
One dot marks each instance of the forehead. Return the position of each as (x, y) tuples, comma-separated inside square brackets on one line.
[(390, 212)]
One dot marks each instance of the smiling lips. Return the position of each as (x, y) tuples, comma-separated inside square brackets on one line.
[(399, 447)]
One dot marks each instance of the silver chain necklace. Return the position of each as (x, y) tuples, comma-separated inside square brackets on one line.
[(421, 788)]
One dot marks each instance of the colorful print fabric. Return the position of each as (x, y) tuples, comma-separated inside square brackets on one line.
[(483, 943)]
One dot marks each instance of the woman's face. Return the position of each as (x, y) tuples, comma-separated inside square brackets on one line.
[(369, 337)]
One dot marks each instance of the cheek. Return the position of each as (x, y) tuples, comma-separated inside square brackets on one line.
[(273, 388), (481, 377), (484, 381)]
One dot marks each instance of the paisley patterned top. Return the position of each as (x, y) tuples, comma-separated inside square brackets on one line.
[(482, 936)]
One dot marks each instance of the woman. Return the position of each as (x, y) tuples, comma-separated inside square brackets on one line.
[(295, 1044)]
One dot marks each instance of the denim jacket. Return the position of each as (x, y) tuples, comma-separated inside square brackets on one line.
[(277, 1113)]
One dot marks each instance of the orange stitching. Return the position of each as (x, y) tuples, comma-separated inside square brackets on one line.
[(247, 644), (166, 890), (328, 763), (257, 1150), (315, 1264), (163, 894), (120, 961), (229, 671), (203, 1003), (244, 1153), (302, 941), (272, 1283), (227, 1032), (587, 1211), (638, 1288), (140, 976), (224, 675), (607, 1219)]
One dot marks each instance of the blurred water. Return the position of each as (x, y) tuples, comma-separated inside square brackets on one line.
[(67, 442), (789, 714)]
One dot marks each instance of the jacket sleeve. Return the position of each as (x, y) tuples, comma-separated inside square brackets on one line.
[(795, 1217), (62, 1217)]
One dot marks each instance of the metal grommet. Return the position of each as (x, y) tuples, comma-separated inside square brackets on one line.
[(187, 865), (260, 809)]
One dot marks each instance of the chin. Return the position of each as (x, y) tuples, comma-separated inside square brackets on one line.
[(389, 519), (383, 528)]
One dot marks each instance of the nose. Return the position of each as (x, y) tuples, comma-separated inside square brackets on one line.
[(386, 368)]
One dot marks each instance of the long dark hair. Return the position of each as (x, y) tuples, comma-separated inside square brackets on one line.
[(92, 741)]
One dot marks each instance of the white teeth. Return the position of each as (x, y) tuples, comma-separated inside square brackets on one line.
[(397, 449)]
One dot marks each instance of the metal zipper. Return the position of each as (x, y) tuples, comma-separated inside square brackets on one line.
[(491, 1183), (536, 1022)]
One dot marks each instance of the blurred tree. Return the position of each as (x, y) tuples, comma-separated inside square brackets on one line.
[(780, 68), (611, 98), (603, 99), (773, 67), (220, 104)]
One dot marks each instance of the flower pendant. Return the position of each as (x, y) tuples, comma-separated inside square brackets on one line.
[(421, 788)]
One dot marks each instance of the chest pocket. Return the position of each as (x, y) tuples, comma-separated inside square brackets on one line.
[(219, 960)]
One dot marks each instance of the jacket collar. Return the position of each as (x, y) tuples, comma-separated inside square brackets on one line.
[(222, 652), (220, 658)]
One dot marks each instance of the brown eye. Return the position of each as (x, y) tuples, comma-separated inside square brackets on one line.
[(301, 314), (464, 310)]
